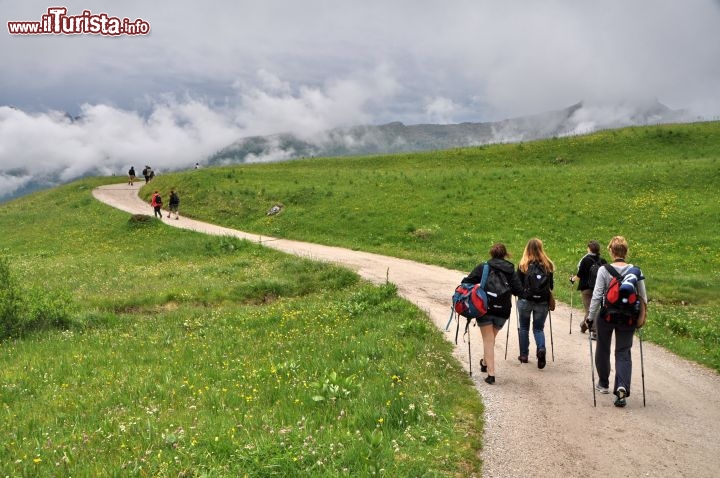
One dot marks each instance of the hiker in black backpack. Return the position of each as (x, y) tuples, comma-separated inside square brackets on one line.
[(535, 271), (587, 270), (502, 283), (619, 316), (174, 204)]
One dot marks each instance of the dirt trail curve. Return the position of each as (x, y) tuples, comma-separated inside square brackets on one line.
[(542, 423)]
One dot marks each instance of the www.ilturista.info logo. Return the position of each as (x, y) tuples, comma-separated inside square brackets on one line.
[(58, 22)]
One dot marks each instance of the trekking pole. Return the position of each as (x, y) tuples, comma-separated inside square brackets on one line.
[(642, 366), (517, 316), (507, 339), (452, 314), (467, 330), (592, 371), (552, 347), (571, 307)]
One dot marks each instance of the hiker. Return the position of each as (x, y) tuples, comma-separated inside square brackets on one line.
[(609, 319), (535, 271), (499, 310), (156, 203), (151, 174), (174, 204), (587, 270), (146, 173), (131, 175)]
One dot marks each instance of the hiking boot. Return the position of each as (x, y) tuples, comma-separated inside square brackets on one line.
[(620, 399), (483, 366), (541, 358), (523, 358), (490, 379), (602, 389)]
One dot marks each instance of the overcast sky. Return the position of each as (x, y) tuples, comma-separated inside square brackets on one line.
[(211, 72)]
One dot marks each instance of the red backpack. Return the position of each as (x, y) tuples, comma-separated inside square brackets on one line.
[(621, 304)]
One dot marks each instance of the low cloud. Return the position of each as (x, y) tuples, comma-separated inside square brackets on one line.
[(174, 133)]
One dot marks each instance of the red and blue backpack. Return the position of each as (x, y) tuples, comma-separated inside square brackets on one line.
[(470, 300)]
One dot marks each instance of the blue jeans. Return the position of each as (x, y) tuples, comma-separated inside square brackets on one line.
[(539, 311)]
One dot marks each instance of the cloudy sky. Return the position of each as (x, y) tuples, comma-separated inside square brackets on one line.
[(210, 72)]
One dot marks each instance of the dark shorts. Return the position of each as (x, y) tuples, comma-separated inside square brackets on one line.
[(497, 322)]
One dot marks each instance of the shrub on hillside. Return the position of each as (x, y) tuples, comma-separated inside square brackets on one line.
[(11, 303), (23, 311)]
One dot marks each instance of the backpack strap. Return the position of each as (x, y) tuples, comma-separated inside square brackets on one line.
[(486, 271), (613, 272)]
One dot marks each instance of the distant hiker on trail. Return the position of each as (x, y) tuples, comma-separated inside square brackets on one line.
[(587, 270), (501, 284), (536, 274), (174, 203), (621, 316), (131, 175), (197, 165), (146, 173), (156, 203), (151, 174)]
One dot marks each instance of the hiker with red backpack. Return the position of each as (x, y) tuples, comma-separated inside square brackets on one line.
[(587, 270), (535, 271), (156, 203), (501, 283), (618, 305)]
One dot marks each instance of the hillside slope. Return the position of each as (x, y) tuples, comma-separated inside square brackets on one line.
[(542, 422)]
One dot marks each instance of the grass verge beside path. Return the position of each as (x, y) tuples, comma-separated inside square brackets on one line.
[(192, 355), (655, 185)]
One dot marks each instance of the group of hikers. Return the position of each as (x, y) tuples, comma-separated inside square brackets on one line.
[(614, 299), (156, 202), (147, 173)]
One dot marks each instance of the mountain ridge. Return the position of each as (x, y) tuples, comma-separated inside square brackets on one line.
[(396, 137)]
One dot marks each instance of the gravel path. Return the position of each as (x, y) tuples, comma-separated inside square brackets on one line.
[(542, 423)]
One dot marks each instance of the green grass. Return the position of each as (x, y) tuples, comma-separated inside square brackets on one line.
[(192, 355), (657, 186)]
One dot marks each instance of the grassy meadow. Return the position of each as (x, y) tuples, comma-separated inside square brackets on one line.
[(153, 351), (172, 353), (656, 185)]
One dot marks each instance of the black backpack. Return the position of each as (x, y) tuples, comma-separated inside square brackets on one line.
[(594, 268), (498, 294), (537, 284)]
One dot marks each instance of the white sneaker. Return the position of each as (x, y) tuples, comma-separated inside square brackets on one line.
[(602, 389)]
